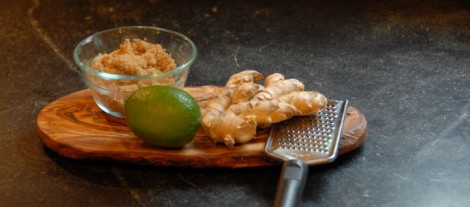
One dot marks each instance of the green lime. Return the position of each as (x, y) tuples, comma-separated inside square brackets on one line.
[(163, 116)]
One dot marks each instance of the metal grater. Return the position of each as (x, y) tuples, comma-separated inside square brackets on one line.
[(310, 140)]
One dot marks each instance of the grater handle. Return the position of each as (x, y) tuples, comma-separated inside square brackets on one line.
[(291, 183)]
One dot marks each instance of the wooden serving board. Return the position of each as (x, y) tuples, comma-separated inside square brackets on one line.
[(75, 127)]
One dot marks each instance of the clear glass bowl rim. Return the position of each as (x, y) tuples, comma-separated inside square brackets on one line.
[(177, 69)]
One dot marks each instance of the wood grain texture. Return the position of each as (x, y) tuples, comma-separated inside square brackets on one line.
[(75, 127)]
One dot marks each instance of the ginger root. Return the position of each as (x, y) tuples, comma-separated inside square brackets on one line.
[(244, 105)]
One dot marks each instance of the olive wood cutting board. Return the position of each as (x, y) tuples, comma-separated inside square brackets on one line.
[(74, 126)]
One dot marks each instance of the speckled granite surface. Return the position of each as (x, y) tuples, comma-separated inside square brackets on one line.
[(405, 64)]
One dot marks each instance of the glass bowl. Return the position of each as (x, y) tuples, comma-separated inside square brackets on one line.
[(110, 90)]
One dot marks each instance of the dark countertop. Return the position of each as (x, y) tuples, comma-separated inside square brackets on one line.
[(405, 64)]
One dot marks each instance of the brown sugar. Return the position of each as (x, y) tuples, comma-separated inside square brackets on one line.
[(133, 57), (136, 57)]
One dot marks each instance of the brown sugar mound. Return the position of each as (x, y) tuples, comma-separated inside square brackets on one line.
[(134, 57)]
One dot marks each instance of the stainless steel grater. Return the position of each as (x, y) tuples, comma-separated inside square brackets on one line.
[(301, 141)]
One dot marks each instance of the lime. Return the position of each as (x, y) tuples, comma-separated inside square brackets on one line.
[(163, 116)]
